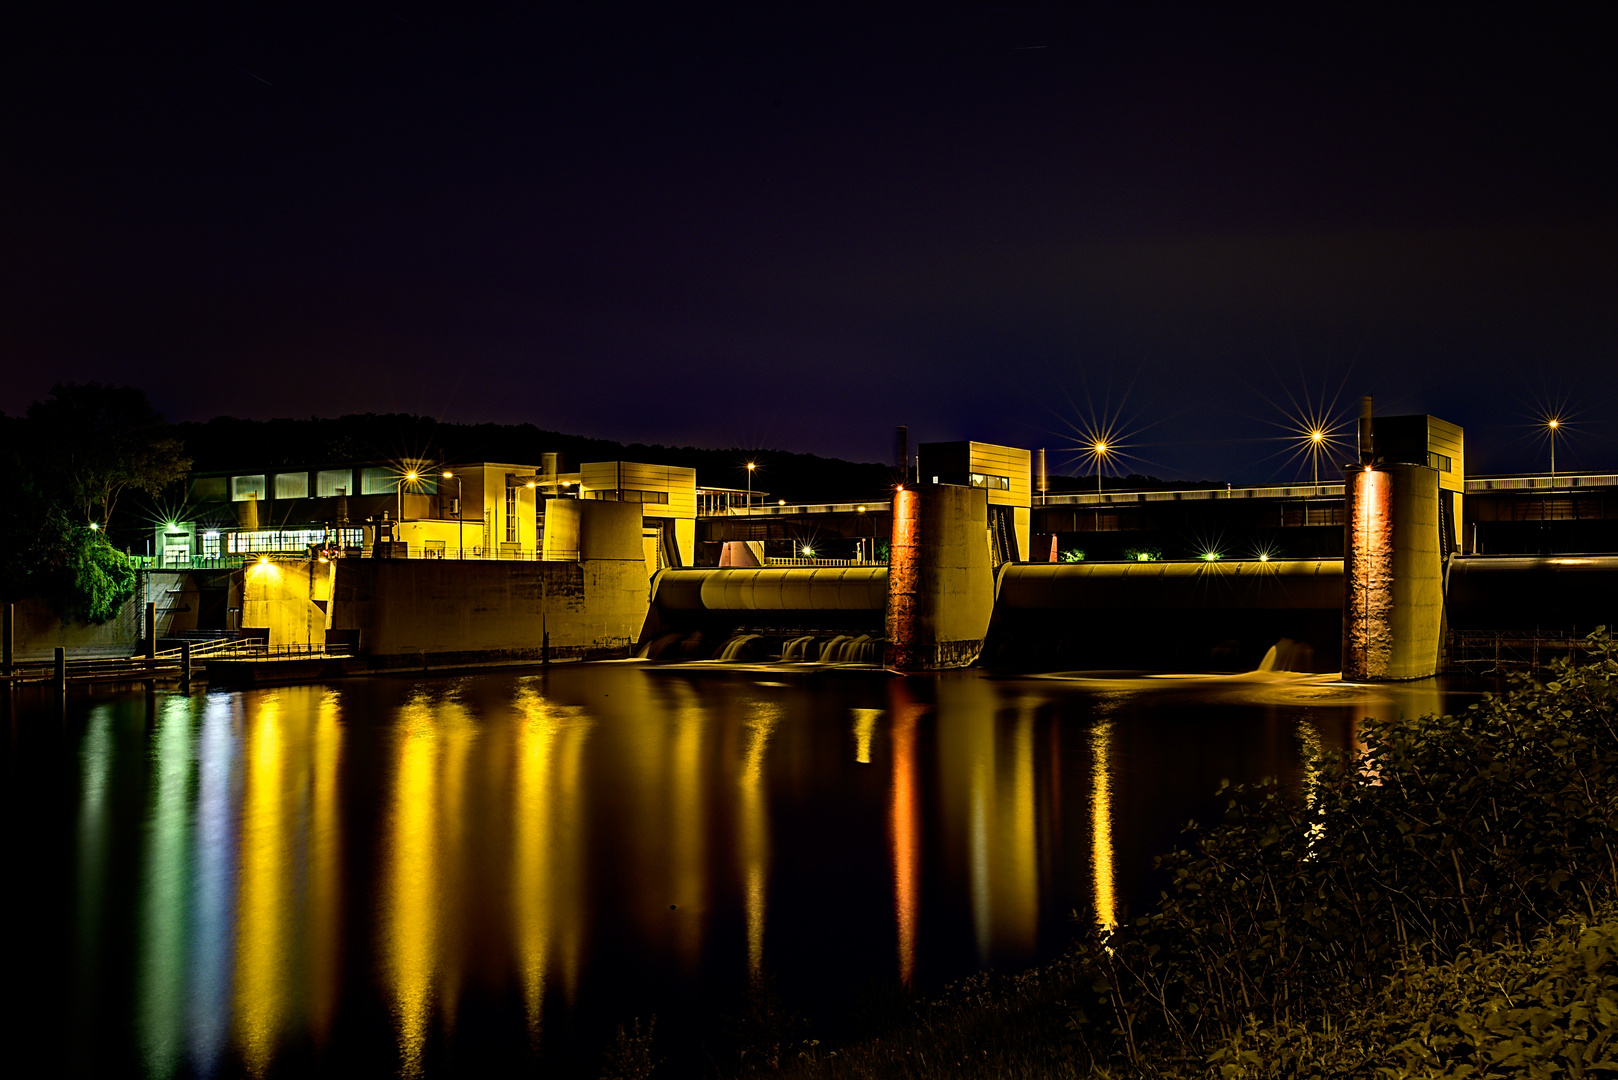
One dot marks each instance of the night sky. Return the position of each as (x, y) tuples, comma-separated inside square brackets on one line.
[(796, 227)]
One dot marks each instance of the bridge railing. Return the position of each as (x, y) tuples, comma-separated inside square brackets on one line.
[(1114, 498)]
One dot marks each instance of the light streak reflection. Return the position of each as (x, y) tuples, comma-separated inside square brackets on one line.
[(904, 827), (754, 840), (1101, 849)]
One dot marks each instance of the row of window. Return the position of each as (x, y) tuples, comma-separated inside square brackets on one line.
[(1441, 462), (295, 485), (628, 495), (263, 541)]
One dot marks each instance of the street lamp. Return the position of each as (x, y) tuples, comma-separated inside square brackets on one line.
[(1553, 423), (409, 477), (1101, 450), (751, 465), (460, 514), (1316, 438)]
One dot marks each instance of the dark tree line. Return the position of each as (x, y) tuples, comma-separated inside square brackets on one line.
[(70, 460)]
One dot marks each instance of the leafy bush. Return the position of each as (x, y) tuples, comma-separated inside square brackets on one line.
[(94, 580), (1446, 836), (1541, 1010), (1073, 555)]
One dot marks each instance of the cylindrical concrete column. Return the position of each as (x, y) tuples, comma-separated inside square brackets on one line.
[(940, 580), (1393, 584)]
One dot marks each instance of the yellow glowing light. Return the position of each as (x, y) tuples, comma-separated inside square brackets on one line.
[(808, 552), (751, 466), (264, 560), (862, 509), (531, 484), (781, 502), (864, 728), (1264, 556), (1101, 853), (94, 526), (1317, 436), (449, 476), (1553, 423), (324, 559), (1099, 447), (1211, 556), (412, 477)]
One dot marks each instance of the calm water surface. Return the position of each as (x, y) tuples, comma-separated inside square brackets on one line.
[(484, 875)]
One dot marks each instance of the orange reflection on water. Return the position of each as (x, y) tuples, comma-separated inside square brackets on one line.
[(904, 825)]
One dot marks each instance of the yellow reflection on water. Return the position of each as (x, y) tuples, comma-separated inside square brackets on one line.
[(260, 992), (1101, 853), (688, 835), (988, 767), (864, 726), (549, 836), (411, 926), (325, 866), (904, 827), (754, 840)]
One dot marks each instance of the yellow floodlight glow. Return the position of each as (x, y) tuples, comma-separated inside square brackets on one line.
[(1553, 423), (264, 560), (1317, 436), (1099, 447), (862, 509), (448, 475), (751, 465), (412, 476), (782, 502), (1264, 556), (808, 552), (94, 526)]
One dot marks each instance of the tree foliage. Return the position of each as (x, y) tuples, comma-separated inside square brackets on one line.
[(95, 441), (69, 459)]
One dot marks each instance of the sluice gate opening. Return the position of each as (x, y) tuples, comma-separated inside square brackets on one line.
[(790, 614)]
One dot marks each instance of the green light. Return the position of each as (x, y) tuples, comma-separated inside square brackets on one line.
[(1211, 556)]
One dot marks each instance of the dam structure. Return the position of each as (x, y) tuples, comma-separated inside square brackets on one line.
[(1403, 567)]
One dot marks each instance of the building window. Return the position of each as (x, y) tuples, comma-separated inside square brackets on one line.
[(329, 482), (264, 541), (209, 489), (1441, 462), (630, 495), (984, 480), (292, 485), (382, 481), (243, 486), (511, 515)]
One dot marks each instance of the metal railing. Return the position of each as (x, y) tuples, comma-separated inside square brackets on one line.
[(788, 509), (1113, 498)]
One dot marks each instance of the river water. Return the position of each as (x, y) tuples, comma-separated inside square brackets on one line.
[(485, 874)]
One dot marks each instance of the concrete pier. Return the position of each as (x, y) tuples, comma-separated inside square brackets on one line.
[(1393, 596), (940, 579)]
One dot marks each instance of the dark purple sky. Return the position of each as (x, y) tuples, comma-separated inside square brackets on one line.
[(799, 226)]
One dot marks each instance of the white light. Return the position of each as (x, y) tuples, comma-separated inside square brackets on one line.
[(210, 535)]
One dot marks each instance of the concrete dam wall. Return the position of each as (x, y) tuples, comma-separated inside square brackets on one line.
[(1183, 616)]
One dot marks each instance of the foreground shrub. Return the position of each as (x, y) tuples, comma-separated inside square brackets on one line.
[(1446, 835)]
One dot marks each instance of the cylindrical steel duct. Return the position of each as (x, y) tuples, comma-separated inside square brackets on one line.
[(1042, 479)]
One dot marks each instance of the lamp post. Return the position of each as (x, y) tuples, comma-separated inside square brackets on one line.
[(1553, 423), (1101, 450), (409, 477), (1316, 438), (751, 465), (460, 514)]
